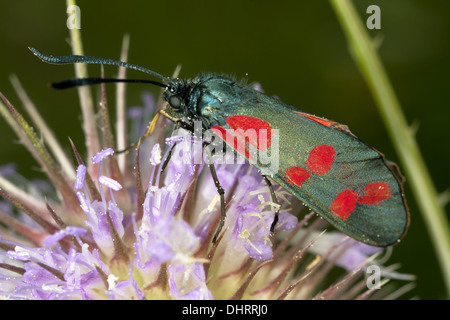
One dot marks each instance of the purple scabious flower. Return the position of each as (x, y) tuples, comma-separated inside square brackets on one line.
[(139, 225)]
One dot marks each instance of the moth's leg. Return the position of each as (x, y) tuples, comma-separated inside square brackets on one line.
[(148, 132), (151, 127), (274, 200), (169, 156), (220, 191)]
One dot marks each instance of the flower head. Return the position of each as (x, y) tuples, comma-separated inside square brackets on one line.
[(143, 228)]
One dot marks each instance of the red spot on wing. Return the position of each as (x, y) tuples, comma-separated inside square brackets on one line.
[(221, 132), (297, 175), (374, 193), (258, 132), (327, 123), (321, 159), (322, 121), (229, 136), (344, 203)]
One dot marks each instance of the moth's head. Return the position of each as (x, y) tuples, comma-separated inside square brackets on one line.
[(178, 95), (199, 98)]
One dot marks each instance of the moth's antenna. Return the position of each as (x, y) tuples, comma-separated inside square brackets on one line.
[(94, 60), (78, 82)]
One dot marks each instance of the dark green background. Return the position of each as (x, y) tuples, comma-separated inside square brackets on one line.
[(295, 49)]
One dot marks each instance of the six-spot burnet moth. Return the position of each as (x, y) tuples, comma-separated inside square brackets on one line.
[(345, 181)]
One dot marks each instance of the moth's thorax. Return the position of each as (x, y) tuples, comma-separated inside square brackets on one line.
[(202, 98)]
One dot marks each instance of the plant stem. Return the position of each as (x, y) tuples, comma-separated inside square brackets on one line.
[(389, 107), (84, 92)]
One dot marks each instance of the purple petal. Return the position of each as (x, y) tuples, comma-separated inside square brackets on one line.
[(149, 101), (75, 231), (110, 183), (166, 237), (286, 221), (188, 282), (355, 255), (70, 275), (155, 157), (37, 275), (259, 250), (128, 289), (188, 160), (160, 251), (102, 155), (135, 112), (79, 179), (351, 259), (18, 255), (209, 190), (174, 139), (8, 169), (69, 231), (99, 225), (177, 234), (83, 201), (54, 238)]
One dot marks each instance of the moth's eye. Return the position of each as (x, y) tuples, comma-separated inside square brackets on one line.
[(175, 102)]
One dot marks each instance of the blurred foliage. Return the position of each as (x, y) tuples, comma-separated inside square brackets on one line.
[(296, 50)]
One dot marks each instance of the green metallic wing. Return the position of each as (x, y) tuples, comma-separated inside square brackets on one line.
[(348, 183)]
